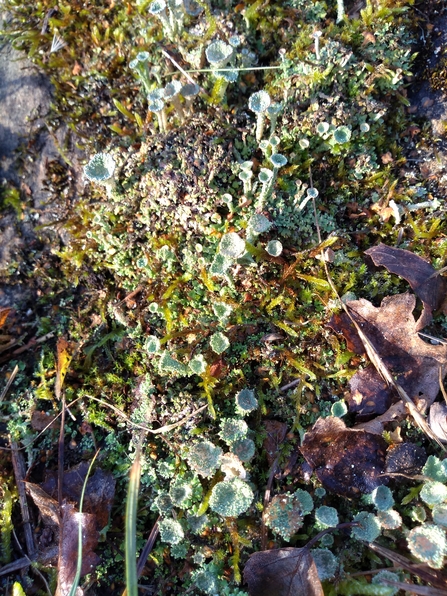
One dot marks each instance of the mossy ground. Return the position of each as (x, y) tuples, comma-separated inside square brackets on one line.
[(137, 262)]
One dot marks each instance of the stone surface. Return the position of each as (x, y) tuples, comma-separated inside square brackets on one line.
[(27, 146)]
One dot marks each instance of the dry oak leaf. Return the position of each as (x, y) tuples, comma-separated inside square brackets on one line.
[(347, 462), (418, 273), (414, 363), (282, 572)]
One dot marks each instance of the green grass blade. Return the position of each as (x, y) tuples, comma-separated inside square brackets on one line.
[(77, 577), (131, 527)]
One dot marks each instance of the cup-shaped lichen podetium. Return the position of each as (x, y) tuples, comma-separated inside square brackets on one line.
[(218, 54), (258, 103), (140, 66), (158, 9), (189, 91), (101, 169), (172, 94)]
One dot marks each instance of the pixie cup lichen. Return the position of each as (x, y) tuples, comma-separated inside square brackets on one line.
[(189, 91), (140, 66), (218, 54), (101, 169), (258, 103), (172, 93), (157, 106), (158, 9)]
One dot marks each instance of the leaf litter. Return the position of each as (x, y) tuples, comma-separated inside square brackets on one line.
[(352, 461), (58, 541)]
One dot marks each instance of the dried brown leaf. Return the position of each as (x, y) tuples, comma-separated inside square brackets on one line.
[(40, 420), (413, 363), (418, 272), (437, 420), (4, 312), (405, 458), (282, 572), (68, 547), (347, 461), (437, 578), (61, 525), (99, 493)]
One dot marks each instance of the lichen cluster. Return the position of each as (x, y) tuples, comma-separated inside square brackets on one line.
[(201, 295)]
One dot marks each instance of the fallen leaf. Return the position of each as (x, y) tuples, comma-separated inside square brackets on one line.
[(413, 362), (437, 419), (68, 548), (41, 420), (98, 498), (4, 312), (77, 69), (405, 458), (368, 38), (282, 572), (346, 461), (396, 412), (419, 274), (386, 158), (62, 549)]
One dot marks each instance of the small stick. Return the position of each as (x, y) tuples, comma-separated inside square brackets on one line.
[(9, 383), (290, 385), (266, 502), (148, 548), (18, 464)]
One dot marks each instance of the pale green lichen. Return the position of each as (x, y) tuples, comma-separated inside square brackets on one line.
[(326, 563), (390, 519), (439, 514), (369, 527), (198, 364), (231, 498), (246, 402), (244, 448), (428, 544), (219, 342), (327, 517), (435, 469), (232, 429), (171, 531), (382, 498), (434, 493), (204, 458), (339, 409)]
